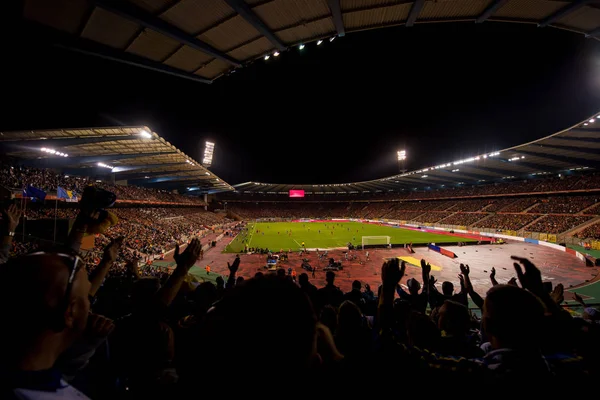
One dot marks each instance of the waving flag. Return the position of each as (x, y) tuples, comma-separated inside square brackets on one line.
[(34, 193), (68, 195)]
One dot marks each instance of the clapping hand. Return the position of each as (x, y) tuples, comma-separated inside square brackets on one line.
[(190, 255), (112, 250), (11, 217), (531, 279)]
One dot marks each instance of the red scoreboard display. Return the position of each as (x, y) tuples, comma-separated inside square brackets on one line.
[(296, 193)]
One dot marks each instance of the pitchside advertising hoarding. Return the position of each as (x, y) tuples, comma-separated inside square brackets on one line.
[(296, 193)]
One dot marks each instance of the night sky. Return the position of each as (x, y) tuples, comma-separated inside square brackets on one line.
[(333, 113)]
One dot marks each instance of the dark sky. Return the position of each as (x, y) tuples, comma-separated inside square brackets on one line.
[(333, 113)]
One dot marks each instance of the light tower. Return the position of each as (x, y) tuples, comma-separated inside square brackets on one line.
[(402, 160), (209, 150)]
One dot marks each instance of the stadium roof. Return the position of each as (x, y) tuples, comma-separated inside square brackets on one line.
[(205, 39), (135, 154), (576, 148)]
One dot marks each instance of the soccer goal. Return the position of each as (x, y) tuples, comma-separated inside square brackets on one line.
[(375, 241)]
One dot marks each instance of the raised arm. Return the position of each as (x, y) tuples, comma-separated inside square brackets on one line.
[(391, 273), (110, 256), (185, 261), (493, 277), (477, 299), (10, 219)]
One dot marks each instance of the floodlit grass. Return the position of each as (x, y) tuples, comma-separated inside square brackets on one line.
[(275, 235)]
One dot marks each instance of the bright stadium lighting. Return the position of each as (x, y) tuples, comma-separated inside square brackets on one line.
[(319, 42), (145, 134), (208, 154), (301, 47), (401, 155), (267, 57), (331, 39), (585, 124), (276, 54), (105, 165), (592, 121)]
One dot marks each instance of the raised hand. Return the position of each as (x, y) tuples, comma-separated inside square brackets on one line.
[(112, 250), (531, 279), (11, 216), (392, 272), (493, 274), (233, 268), (190, 255), (558, 293), (432, 280), (426, 267), (99, 326), (464, 269), (512, 282), (578, 299)]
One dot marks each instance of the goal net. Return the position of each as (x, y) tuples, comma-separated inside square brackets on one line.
[(375, 241)]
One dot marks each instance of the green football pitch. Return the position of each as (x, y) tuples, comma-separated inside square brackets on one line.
[(323, 235)]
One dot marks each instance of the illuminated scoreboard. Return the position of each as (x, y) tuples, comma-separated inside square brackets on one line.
[(296, 193)]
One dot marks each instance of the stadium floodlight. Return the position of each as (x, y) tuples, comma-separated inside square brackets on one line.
[(331, 39), (301, 47), (585, 124), (105, 165), (401, 155), (276, 54), (52, 151), (267, 57), (319, 42), (209, 149), (592, 121), (145, 134)]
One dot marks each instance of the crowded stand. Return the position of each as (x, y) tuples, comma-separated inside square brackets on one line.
[(564, 204), (590, 232), (14, 176), (137, 335), (464, 219), (558, 223), (147, 319), (507, 221)]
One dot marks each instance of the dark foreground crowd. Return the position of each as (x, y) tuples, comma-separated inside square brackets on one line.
[(68, 334)]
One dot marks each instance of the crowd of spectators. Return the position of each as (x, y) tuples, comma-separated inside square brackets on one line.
[(557, 223), (18, 177), (564, 204), (512, 222), (464, 219), (590, 232), (76, 334), (541, 184)]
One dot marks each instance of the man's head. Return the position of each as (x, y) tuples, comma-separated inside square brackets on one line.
[(330, 277), (447, 288), (512, 317), (271, 314), (45, 296), (453, 318), (413, 286), (356, 285), (303, 279)]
